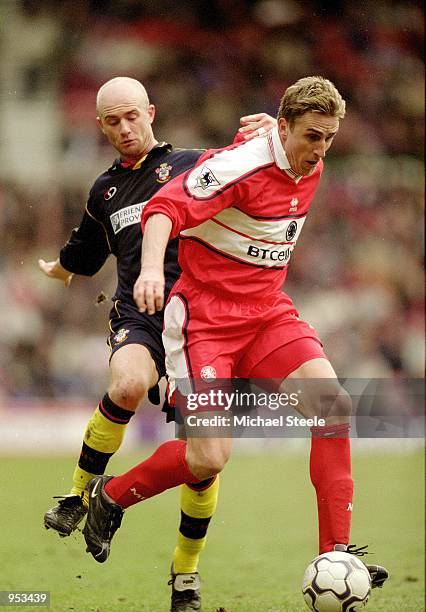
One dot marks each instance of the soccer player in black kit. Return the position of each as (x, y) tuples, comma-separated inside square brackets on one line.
[(111, 225)]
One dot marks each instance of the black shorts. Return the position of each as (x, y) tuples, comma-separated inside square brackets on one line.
[(129, 326)]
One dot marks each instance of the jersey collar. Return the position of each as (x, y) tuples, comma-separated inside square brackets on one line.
[(279, 156), (126, 165)]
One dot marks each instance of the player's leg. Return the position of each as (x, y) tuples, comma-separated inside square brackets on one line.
[(305, 367), (173, 463), (330, 460), (288, 351), (195, 463), (305, 370), (166, 468), (132, 373), (169, 466), (198, 502)]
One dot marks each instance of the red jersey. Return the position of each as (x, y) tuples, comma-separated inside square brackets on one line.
[(238, 214)]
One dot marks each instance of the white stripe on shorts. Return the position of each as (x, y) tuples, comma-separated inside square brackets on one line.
[(174, 341)]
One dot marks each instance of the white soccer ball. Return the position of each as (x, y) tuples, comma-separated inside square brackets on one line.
[(336, 582)]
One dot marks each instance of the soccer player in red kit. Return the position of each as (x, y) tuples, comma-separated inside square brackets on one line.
[(239, 214)]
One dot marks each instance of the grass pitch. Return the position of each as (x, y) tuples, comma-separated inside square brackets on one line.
[(260, 540)]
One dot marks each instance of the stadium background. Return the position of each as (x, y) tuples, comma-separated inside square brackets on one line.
[(357, 272)]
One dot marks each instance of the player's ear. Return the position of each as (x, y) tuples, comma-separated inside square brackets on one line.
[(99, 122), (151, 112), (282, 128)]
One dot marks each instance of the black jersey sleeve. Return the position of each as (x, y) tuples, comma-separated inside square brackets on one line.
[(87, 248)]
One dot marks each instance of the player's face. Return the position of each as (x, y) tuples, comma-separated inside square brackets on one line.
[(307, 140), (127, 126)]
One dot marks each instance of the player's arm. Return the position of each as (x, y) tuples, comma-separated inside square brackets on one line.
[(187, 201), (87, 248), (54, 269), (199, 194), (85, 252), (148, 291)]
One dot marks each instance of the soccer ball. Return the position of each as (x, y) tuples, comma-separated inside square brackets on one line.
[(336, 582)]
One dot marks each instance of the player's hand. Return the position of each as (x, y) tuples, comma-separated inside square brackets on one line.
[(53, 269), (256, 125), (148, 291)]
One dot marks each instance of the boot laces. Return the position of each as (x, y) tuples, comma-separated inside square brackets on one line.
[(359, 551)]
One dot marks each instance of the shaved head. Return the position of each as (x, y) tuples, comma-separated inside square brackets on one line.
[(121, 90), (125, 116)]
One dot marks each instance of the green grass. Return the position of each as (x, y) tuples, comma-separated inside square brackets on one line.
[(261, 539)]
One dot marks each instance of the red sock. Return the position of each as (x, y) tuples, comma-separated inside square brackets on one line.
[(165, 469), (330, 468)]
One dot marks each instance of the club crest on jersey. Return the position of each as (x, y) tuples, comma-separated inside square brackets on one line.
[(121, 335), (110, 193), (293, 204), (291, 231), (208, 373), (163, 172), (206, 179)]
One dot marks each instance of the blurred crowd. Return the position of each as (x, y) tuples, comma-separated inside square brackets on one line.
[(357, 272)]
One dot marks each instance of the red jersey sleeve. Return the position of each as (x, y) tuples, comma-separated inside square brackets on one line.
[(198, 195)]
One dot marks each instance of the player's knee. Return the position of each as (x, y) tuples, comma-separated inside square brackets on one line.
[(334, 404), (128, 391), (341, 408), (206, 468), (215, 463), (207, 464)]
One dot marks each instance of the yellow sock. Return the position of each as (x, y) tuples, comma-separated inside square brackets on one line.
[(102, 438), (80, 479), (197, 509)]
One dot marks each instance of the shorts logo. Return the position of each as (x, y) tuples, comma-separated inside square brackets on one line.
[(110, 193), (121, 335), (206, 179), (163, 173), (208, 373), (126, 216), (291, 231)]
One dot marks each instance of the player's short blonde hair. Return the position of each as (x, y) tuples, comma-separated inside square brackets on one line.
[(312, 93)]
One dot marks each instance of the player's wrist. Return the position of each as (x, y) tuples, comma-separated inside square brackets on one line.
[(68, 279), (153, 269), (62, 273)]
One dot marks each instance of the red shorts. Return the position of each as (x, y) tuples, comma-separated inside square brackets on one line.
[(208, 337)]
